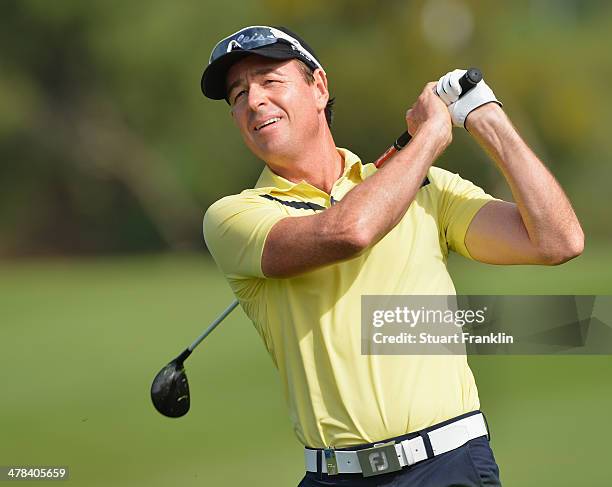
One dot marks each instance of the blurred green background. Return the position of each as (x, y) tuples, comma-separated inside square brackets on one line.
[(110, 155)]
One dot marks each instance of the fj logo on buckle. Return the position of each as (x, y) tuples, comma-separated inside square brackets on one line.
[(378, 460)]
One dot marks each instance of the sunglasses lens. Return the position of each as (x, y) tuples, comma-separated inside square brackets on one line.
[(246, 39)]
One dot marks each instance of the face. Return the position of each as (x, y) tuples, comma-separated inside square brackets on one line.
[(277, 111)]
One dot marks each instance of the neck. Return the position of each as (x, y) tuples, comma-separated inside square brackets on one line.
[(320, 165)]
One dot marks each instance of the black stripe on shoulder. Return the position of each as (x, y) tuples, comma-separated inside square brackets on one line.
[(300, 205)]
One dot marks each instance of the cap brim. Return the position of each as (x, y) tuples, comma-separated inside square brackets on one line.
[(213, 82)]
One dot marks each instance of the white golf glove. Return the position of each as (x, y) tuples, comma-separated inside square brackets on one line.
[(448, 89)]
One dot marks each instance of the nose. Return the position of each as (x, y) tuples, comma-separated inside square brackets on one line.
[(257, 96)]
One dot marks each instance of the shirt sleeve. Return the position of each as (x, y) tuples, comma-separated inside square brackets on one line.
[(235, 231), (459, 201)]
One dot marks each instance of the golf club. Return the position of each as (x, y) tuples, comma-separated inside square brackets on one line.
[(170, 389), (469, 80)]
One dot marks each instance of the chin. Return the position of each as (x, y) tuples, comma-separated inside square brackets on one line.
[(272, 150)]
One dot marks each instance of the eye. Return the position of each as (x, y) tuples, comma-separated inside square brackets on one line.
[(268, 81), (238, 95)]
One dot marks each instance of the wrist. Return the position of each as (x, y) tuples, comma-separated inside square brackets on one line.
[(428, 143), (437, 133), (485, 117), (495, 133)]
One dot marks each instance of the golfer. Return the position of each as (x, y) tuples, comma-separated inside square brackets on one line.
[(321, 228)]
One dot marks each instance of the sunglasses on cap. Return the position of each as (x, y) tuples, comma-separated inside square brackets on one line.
[(271, 42), (257, 36)]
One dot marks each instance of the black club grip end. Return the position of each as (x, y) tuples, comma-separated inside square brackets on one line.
[(470, 79)]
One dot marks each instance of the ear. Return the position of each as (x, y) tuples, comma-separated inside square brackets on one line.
[(320, 86)]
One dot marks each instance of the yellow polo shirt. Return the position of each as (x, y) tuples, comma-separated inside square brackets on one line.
[(311, 323)]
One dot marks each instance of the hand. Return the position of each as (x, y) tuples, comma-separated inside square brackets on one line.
[(429, 111), (448, 90)]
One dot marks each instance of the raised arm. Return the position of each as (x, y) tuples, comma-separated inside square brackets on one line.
[(541, 227), (371, 209)]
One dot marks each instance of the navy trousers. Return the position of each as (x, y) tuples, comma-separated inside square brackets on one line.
[(471, 465)]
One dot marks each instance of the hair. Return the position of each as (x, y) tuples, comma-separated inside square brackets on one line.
[(308, 75)]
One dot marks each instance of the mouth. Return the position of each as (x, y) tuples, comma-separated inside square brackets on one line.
[(267, 123)]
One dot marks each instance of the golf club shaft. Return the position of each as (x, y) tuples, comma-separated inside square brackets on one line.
[(213, 325), (468, 81)]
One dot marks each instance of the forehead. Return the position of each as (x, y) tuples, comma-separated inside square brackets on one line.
[(253, 65)]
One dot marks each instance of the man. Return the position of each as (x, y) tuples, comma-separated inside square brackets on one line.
[(320, 229)]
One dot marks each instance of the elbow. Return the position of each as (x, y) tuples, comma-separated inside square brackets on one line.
[(570, 248), (350, 240), (358, 241)]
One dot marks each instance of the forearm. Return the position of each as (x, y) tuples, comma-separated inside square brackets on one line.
[(361, 218), (545, 210), (371, 209)]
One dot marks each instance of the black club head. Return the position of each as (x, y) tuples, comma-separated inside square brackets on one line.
[(170, 390)]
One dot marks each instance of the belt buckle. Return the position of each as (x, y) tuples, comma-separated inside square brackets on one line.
[(378, 460), (330, 461)]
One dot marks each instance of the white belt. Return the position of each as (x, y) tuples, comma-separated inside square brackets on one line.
[(409, 452)]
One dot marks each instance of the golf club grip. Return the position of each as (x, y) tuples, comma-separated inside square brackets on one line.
[(468, 81)]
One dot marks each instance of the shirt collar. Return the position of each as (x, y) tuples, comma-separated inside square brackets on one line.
[(272, 181)]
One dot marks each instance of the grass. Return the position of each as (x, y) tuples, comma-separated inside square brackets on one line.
[(81, 340)]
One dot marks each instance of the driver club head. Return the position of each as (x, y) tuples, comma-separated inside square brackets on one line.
[(170, 390)]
